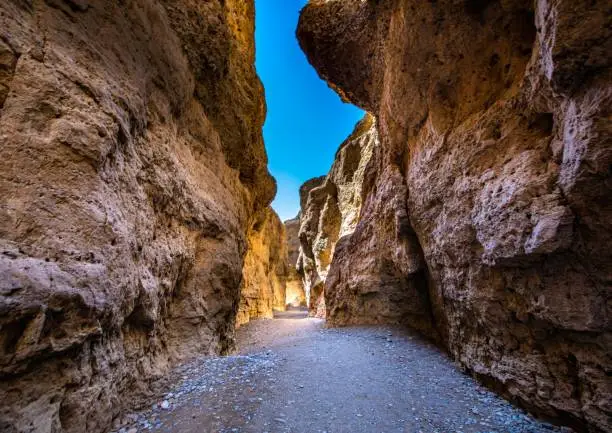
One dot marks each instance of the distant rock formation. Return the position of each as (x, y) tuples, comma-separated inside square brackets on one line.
[(265, 270), (296, 297), (487, 210), (330, 210)]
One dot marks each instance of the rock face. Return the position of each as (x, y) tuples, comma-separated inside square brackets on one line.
[(132, 169), (304, 267), (295, 288), (265, 270), (330, 210), (487, 210)]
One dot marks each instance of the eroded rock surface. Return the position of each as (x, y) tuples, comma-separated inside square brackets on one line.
[(487, 211), (330, 210), (132, 167), (265, 270), (296, 296)]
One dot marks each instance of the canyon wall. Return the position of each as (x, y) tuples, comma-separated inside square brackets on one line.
[(330, 210), (487, 207), (265, 271), (296, 297), (305, 266), (132, 168)]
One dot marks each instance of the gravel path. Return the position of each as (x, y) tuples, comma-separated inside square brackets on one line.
[(291, 374)]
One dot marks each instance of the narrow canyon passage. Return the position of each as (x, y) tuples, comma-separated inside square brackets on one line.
[(292, 374)]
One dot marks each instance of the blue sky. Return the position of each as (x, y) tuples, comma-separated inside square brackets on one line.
[(306, 120)]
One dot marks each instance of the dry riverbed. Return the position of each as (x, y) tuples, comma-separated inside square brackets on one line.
[(291, 374)]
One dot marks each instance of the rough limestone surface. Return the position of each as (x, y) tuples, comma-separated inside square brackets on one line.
[(295, 287), (487, 211), (265, 270), (331, 210), (131, 169)]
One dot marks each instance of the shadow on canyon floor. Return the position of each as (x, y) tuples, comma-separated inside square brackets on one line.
[(291, 374)]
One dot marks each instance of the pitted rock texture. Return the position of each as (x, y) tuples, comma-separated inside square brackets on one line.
[(126, 200), (265, 270), (488, 208), (295, 287), (331, 210)]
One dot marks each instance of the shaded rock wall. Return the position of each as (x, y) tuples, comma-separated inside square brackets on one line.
[(296, 296), (265, 271), (331, 210), (304, 267), (132, 167), (488, 209)]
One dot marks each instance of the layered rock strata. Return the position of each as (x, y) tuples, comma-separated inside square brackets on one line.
[(330, 210), (296, 297), (487, 211), (132, 167), (265, 271)]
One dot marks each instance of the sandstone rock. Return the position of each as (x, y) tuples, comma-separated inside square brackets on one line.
[(332, 209), (487, 214), (304, 265), (265, 270), (132, 168), (305, 189), (295, 288), (378, 274), (295, 294), (292, 230)]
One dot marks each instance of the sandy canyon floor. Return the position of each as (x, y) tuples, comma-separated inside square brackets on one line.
[(291, 374)]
